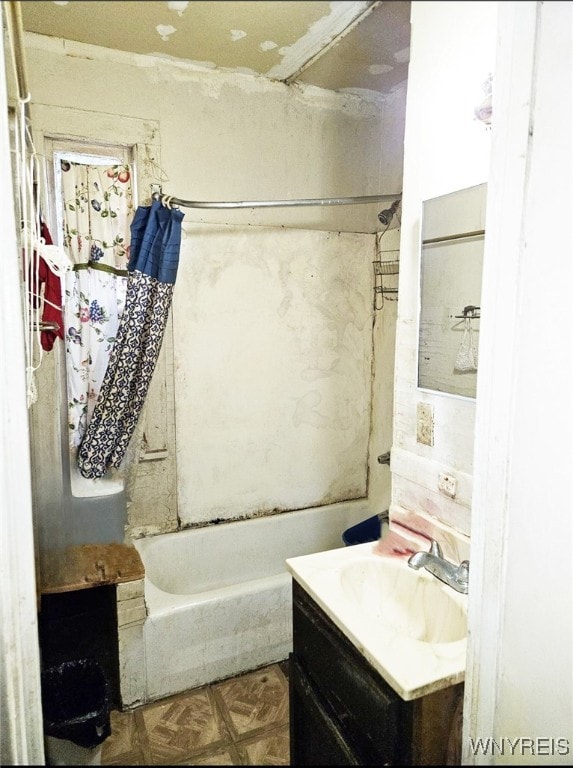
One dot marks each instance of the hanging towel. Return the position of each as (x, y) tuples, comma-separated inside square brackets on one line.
[(52, 296), (154, 258)]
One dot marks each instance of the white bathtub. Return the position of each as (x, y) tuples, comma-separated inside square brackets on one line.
[(219, 597)]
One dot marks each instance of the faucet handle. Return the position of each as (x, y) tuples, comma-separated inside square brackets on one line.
[(464, 572), (435, 548)]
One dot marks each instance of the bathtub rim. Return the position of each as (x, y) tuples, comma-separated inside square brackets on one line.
[(159, 602)]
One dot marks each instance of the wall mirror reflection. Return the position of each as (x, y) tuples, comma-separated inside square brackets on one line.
[(453, 229)]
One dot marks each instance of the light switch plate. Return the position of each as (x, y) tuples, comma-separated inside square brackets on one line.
[(425, 424)]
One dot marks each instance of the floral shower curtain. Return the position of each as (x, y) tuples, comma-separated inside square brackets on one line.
[(152, 269), (98, 210)]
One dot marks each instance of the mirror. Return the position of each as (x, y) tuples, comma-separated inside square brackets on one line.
[(453, 229)]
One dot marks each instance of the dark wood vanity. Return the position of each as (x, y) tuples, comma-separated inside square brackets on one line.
[(342, 712)]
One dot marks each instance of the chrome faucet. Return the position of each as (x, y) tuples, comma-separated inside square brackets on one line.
[(455, 576)]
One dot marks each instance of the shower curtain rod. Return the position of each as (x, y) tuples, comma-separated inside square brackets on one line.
[(169, 201)]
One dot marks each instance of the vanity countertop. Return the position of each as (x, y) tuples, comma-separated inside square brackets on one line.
[(413, 668)]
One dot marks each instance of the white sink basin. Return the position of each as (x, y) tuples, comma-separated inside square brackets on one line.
[(404, 600), (409, 625)]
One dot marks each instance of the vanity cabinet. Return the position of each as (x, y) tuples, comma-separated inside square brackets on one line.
[(342, 712)]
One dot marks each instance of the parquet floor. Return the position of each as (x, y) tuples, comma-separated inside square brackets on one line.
[(243, 720)]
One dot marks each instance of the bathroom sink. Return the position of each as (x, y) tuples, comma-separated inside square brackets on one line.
[(408, 602), (410, 626)]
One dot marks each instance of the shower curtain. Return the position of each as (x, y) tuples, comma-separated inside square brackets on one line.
[(97, 213), (152, 269)]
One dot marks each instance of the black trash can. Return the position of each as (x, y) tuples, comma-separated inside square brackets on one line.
[(76, 707)]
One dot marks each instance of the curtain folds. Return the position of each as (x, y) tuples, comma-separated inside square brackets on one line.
[(152, 270), (98, 212)]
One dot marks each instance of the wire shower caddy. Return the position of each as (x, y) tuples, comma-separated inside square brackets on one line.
[(385, 288)]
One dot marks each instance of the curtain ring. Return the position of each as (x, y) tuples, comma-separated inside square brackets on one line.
[(166, 202)]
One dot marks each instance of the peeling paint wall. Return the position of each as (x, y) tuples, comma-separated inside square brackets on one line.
[(283, 420), (273, 353), (235, 136)]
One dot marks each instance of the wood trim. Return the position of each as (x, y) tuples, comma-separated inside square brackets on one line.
[(22, 741)]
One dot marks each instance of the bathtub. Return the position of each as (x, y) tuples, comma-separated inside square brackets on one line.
[(219, 597)]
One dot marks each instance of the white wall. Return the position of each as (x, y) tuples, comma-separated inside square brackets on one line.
[(519, 678), (446, 149)]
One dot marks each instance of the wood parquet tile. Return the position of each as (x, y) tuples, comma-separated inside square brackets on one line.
[(123, 746), (237, 721), (271, 748), (254, 701)]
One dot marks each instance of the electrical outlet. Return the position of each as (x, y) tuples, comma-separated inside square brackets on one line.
[(447, 484), (425, 424)]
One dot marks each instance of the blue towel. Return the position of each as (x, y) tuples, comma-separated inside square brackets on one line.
[(156, 241)]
